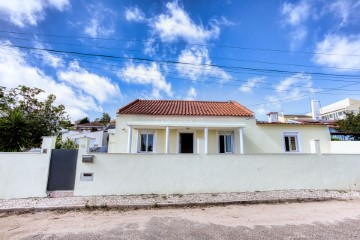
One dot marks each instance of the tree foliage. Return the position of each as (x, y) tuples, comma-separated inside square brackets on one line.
[(25, 118), (350, 124), (84, 120), (105, 119), (67, 144)]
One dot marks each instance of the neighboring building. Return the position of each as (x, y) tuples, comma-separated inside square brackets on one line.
[(172, 126), (337, 110), (293, 118), (98, 134), (92, 126)]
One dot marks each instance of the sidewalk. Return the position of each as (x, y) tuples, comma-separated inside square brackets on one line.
[(174, 200)]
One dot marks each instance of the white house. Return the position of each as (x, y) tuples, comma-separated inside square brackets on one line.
[(173, 126), (336, 111)]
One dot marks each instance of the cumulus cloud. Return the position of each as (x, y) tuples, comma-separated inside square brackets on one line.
[(101, 88), (134, 14), (101, 23), (15, 70), (250, 84), (29, 12), (293, 88), (194, 59), (146, 75), (191, 94), (177, 24), (339, 50)]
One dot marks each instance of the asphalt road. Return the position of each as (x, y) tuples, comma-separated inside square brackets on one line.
[(320, 220)]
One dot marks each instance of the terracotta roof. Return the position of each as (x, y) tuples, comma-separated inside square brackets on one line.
[(185, 108)]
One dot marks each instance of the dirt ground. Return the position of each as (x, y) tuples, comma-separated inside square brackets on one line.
[(141, 224)]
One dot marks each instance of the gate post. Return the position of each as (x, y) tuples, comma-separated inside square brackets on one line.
[(84, 145), (48, 143)]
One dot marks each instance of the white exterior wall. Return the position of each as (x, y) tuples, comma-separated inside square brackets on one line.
[(257, 138), (345, 147), (24, 175), (122, 174)]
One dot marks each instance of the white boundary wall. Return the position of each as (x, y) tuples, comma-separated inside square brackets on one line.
[(345, 147), (24, 175), (118, 174)]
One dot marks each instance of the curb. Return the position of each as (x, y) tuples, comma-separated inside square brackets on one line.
[(167, 205)]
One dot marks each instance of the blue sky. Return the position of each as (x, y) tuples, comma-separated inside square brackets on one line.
[(267, 55)]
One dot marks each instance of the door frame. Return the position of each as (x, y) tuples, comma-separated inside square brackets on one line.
[(178, 139)]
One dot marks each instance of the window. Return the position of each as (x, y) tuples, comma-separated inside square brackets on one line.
[(291, 142), (146, 142), (225, 143)]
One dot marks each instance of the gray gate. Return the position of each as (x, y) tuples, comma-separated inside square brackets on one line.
[(62, 169)]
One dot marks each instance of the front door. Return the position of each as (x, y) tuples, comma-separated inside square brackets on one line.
[(186, 143)]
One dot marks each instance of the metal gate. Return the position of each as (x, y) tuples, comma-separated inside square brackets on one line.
[(62, 169)]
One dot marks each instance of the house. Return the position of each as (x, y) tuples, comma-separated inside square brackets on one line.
[(97, 133), (175, 126), (91, 126), (336, 111)]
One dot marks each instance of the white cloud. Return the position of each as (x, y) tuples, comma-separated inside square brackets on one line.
[(341, 47), (101, 23), (29, 12), (297, 36), (196, 57), (134, 14), (48, 58), (15, 71), (101, 88), (191, 94), (146, 75), (177, 24), (345, 10), (295, 14), (250, 84), (293, 88)]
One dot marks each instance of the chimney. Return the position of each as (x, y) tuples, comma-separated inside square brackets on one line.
[(272, 117), (315, 110)]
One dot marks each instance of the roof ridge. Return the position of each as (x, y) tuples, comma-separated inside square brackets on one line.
[(179, 100), (128, 105), (186, 107)]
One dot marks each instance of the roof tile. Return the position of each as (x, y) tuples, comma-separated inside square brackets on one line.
[(185, 108)]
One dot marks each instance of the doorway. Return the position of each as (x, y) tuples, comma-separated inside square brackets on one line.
[(186, 143)]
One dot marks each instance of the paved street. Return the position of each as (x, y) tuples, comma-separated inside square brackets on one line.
[(317, 220)]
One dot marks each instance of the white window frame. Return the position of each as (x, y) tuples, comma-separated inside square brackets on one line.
[(231, 133), (146, 132), (297, 141)]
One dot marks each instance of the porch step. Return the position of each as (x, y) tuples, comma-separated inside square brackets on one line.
[(59, 194)]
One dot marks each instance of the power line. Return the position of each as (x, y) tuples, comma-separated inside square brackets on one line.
[(176, 62), (172, 54), (232, 84), (181, 43), (287, 99), (220, 83)]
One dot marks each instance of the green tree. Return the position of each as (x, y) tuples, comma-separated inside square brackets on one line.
[(28, 118), (350, 124), (84, 120), (105, 119), (67, 144), (15, 131)]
